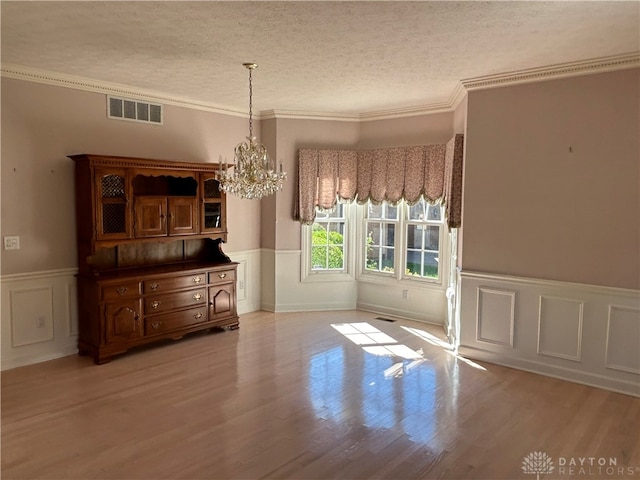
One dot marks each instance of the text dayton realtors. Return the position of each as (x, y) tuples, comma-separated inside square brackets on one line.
[(593, 466)]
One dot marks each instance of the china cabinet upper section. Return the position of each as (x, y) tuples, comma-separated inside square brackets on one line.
[(123, 200)]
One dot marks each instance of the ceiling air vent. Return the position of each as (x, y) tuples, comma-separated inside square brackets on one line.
[(127, 109)]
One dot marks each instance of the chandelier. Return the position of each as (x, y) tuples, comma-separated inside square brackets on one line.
[(253, 175)]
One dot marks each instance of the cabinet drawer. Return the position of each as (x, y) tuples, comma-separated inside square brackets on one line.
[(174, 283), (126, 289), (164, 303), (222, 276), (174, 321)]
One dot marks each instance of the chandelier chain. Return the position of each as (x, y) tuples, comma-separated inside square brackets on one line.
[(250, 102)]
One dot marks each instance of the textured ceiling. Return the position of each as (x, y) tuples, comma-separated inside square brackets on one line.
[(334, 57)]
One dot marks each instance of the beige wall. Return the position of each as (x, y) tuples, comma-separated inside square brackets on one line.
[(406, 131), (551, 186), (42, 124), (268, 204), (570, 216), (293, 135)]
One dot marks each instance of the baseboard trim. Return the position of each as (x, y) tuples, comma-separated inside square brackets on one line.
[(294, 307), (545, 369), (396, 312)]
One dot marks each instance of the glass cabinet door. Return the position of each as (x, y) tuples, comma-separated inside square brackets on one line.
[(113, 216), (213, 205)]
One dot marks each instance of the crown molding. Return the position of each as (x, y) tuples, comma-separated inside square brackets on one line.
[(90, 85), (358, 117), (552, 72), (406, 112), (459, 93), (598, 65), (301, 115)]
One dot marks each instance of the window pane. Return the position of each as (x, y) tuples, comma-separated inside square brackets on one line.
[(430, 265), (318, 258), (336, 233), (387, 260), (374, 233), (435, 213), (414, 263), (414, 236), (416, 212), (388, 233), (432, 240), (374, 211), (319, 234), (373, 256), (392, 212), (336, 257)]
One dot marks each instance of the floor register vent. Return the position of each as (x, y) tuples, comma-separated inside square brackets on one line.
[(134, 110)]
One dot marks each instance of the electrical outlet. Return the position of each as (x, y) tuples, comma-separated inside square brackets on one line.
[(12, 243), (405, 293), (40, 322), (240, 285)]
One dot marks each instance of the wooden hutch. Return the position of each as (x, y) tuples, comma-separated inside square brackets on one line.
[(150, 261)]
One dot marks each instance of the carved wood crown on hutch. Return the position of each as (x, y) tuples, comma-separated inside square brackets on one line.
[(150, 261), (134, 162)]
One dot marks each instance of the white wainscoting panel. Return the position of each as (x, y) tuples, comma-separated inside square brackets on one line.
[(39, 317), (495, 316), (583, 333), (31, 316), (560, 327), (623, 339), (248, 280), (294, 295)]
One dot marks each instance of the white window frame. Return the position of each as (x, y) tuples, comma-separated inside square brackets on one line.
[(307, 274), (399, 276), (386, 221)]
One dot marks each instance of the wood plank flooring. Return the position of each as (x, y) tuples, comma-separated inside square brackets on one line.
[(322, 395)]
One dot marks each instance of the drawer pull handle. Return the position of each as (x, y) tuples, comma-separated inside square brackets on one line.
[(222, 275), (155, 304), (197, 296), (154, 286), (198, 316), (122, 290), (156, 325), (197, 279)]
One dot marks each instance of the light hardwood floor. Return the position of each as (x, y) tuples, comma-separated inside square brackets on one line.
[(289, 396)]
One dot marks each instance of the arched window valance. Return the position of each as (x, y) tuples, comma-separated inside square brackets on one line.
[(382, 175)]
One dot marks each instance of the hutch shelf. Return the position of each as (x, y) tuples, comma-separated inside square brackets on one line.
[(150, 262)]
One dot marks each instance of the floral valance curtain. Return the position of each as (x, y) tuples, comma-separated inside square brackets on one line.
[(382, 175)]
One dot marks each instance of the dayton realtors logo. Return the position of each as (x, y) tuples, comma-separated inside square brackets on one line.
[(539, 463)]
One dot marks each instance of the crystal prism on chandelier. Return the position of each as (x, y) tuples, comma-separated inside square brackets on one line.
[(254, 174)]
